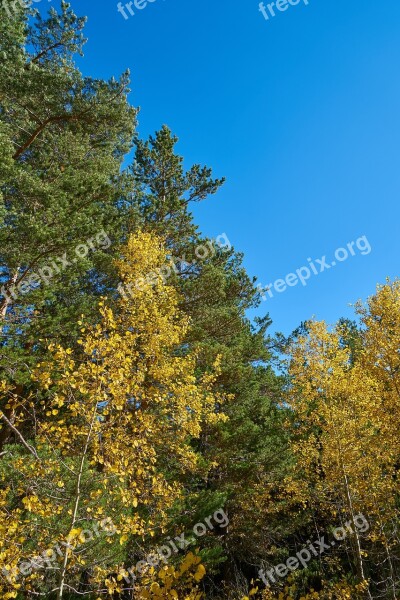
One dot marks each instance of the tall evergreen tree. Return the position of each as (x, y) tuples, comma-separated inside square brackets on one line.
[(217, 293), (62, 139)]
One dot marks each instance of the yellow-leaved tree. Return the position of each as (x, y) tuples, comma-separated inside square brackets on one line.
[(119, 417), (345, 405)]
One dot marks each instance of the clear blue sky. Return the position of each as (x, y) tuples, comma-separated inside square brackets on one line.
[(300, 113)]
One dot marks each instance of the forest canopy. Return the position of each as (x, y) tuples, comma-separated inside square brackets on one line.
[(156, 442)]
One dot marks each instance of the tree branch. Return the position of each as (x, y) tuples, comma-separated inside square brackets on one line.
[(15, 430)]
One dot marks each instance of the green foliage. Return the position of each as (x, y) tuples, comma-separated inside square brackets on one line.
[(63, 137)]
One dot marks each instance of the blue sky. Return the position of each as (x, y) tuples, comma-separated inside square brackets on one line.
[(300, 113)]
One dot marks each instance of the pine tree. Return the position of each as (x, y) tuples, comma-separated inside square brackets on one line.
[(217, 292), (62, 139)]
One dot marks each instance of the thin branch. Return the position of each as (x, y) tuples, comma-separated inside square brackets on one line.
[(15, 430), (46, 50)]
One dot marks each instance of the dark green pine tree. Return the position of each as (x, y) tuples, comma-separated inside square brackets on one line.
[(217, 294), (164, 190), (63, 137)]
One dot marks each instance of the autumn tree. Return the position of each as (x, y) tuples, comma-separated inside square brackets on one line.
[(116, 432), (344, 440)]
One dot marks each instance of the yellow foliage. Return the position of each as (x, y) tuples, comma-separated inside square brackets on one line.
[(121, 410), (345, 406)]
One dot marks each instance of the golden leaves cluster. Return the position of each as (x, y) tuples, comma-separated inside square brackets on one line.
[(117, 414)]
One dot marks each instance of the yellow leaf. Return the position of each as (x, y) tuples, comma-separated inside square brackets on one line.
[(200, 572)]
